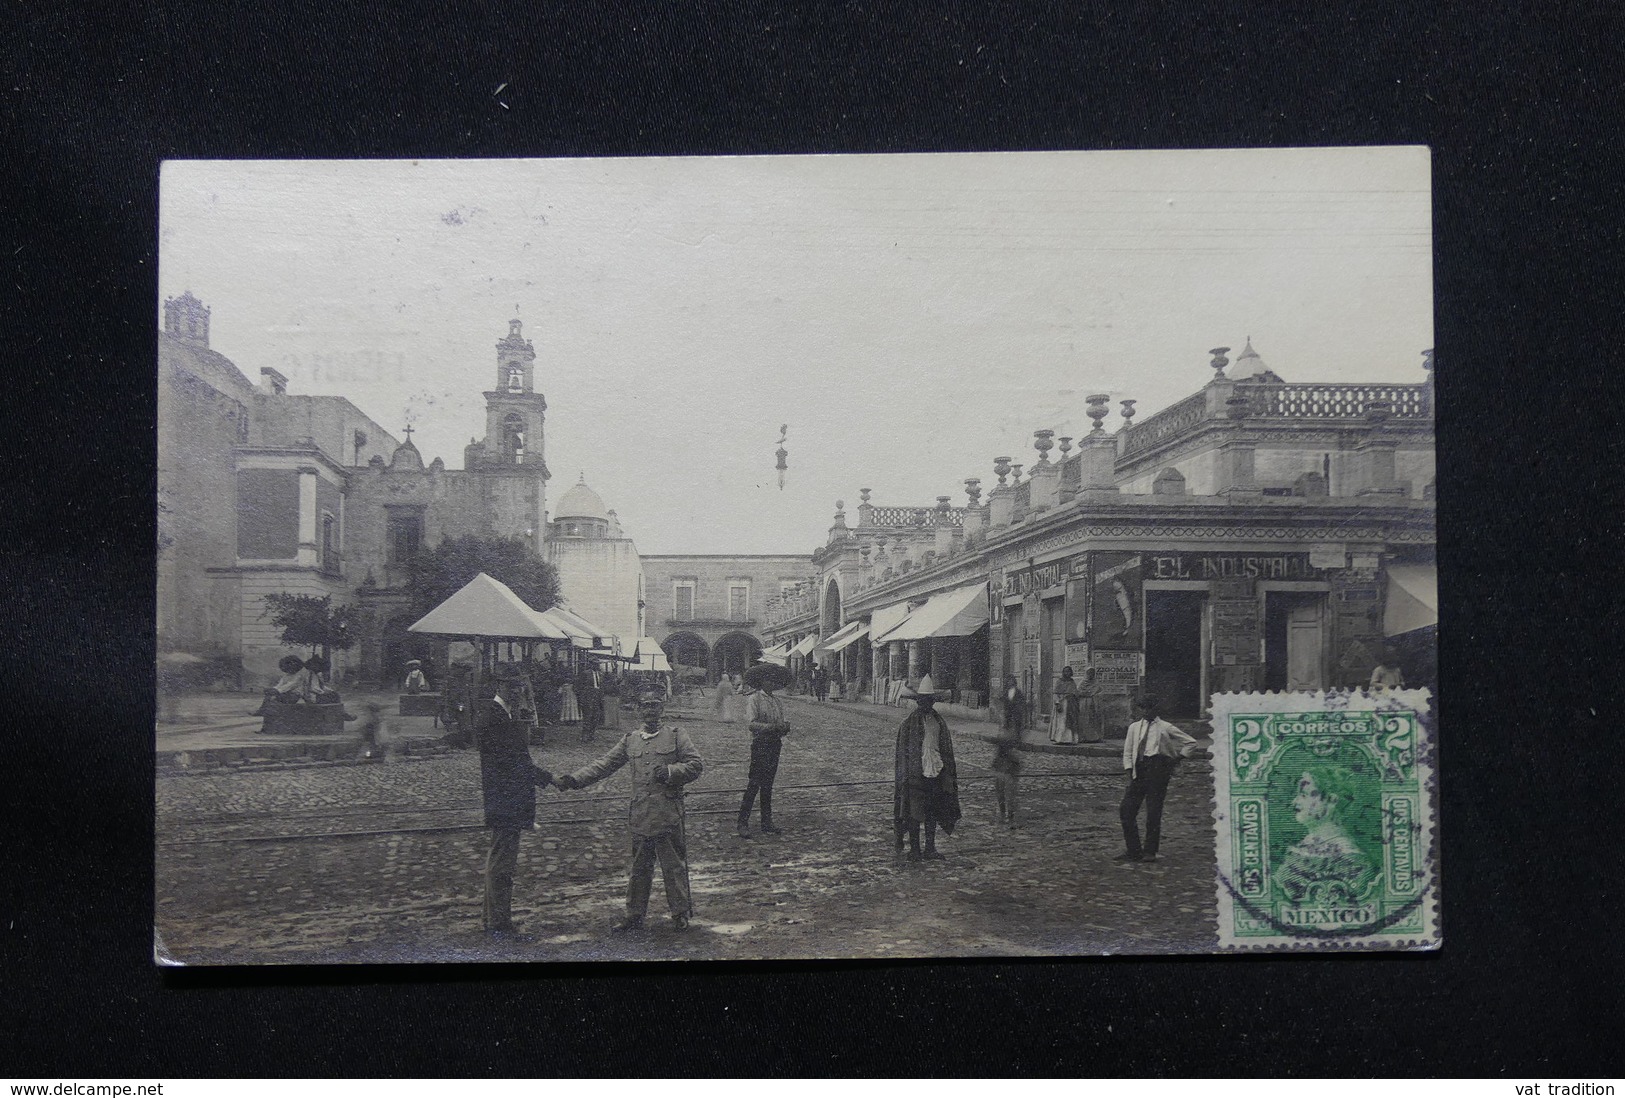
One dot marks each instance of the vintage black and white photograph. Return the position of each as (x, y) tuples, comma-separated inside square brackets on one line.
[(742, 558)]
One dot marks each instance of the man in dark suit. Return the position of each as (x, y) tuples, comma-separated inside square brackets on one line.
[(508, 781)]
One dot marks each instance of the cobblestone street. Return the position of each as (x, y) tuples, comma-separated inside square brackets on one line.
[(381, 861)]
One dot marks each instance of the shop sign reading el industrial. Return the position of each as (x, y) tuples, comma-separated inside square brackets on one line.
[(1210, 566), (1039, 578)]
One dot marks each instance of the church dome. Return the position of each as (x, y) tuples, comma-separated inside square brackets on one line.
[(581, 502)]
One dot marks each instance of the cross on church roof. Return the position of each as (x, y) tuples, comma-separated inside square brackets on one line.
[(408, 432)]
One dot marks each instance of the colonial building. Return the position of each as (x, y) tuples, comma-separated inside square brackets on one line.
[(708, 611), (261, 491), (598, 564), (1255, 535)]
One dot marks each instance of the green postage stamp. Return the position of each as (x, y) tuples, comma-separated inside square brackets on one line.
[(1324, 812)]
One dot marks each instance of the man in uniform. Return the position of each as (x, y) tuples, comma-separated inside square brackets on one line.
[(508, 781), (663, 761)]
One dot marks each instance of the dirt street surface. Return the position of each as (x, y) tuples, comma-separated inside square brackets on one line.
[(382, 861)]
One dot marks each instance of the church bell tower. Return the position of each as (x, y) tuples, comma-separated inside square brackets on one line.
[(511, 462)]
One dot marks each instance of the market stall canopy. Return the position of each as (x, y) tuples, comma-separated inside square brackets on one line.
[(1413, 598), (582, 633), (844, 636), (651, 657), (805, 646), (883, 622), (956, 613), (485, 607), (554, 631)]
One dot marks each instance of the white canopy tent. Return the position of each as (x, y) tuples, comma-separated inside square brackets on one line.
[(486, 607), (650, 656), (1413, 598), (805, 645)]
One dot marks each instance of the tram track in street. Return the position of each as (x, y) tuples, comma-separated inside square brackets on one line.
[(360, 813)]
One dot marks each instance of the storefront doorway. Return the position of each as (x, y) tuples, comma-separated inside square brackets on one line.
[(1294, 640), (1052, 651), (1173, 651)]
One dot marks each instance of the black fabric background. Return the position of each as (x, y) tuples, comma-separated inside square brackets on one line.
[(1521, 107)]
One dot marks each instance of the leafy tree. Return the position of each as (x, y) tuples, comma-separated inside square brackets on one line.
[(439, 573), (311, 621)]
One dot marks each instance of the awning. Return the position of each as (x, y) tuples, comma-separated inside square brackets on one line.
[(485, 607), (848, 633), (883, 622), (956, 613), (805, 646), (1413, 598)]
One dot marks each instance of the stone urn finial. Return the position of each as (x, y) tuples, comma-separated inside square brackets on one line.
[(1001, 466), (944, 505), (1042, 442), (863, 496), (1128, 411), (1427, 361), (1098, 411), (1219, 362), (973, 489), (1066, 445), (1015, 471)]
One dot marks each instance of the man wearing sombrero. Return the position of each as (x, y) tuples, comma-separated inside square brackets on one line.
[(926, 788), (765, 712)]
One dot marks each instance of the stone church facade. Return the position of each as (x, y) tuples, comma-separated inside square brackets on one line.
[(261, 490)]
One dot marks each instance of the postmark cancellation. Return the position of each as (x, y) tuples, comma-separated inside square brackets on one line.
[(1324, 814)]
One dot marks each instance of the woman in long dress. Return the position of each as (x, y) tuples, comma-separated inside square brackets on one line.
[(1063, 726), (723, 702), (569, 709), (612, 702), (1089, 708)]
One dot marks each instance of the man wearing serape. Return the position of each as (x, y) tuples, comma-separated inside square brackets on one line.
[(926, 786)]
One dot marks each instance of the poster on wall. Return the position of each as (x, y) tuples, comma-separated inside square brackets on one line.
[(1116, 672), (1115, 602), (1077, 610)]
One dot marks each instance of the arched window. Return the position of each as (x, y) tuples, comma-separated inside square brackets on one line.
[(513, 433)]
